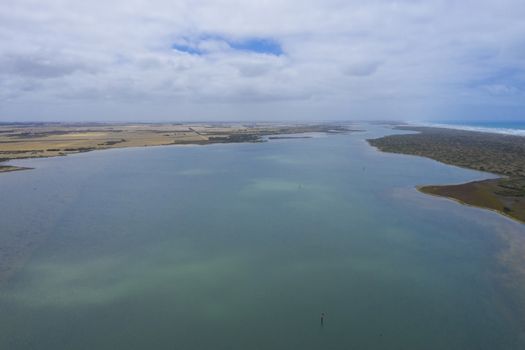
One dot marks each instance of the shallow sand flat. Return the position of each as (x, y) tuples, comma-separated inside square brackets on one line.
[(8, 168)]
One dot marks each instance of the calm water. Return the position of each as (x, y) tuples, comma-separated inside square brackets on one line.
[(242, 246)]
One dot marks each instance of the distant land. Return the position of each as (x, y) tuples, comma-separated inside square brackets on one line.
[(496, 153), (37, 140)]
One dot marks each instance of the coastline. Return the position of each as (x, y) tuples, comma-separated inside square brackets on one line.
[(423, 189), (498, 154), (488, 194), (503, 129), (11, 168), (45, 140)]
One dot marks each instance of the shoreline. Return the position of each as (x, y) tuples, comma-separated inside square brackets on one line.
[(421, 188), (497, 154), (466, 127), (485, 150), (11, 168), (46, 140)]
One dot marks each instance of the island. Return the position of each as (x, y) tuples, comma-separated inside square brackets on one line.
[(499, 154)]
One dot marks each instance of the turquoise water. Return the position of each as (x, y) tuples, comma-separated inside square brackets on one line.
[(243, 246), (520, 125), (503, 127)]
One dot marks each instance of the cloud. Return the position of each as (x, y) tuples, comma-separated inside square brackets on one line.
[(224, 59), (38, 66), (362, 69)]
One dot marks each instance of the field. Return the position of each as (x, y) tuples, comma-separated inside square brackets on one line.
[(35, 140)]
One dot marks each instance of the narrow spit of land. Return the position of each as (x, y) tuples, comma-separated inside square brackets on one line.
[(35, 140), (496, 153)]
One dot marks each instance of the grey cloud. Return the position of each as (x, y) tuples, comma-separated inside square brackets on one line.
[(253, 69), (37, 67), (361, 69), (419, 59)]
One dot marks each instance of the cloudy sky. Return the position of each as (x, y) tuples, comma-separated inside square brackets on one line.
[(157, 60)]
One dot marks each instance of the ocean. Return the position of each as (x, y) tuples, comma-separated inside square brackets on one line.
[(504, 127), (244, 246)]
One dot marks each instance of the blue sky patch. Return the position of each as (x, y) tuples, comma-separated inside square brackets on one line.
[(187, 48), (266, 46), (258, 45)]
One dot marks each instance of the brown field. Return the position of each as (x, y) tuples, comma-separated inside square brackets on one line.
[(18, 141)]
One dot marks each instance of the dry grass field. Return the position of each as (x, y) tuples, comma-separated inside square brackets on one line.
[(18, 141)]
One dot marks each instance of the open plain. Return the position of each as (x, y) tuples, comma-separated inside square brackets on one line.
[(36, 140)]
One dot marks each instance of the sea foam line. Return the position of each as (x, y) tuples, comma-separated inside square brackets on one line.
[(506, 131)]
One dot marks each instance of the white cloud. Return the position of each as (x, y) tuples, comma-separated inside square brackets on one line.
[(91, 60)]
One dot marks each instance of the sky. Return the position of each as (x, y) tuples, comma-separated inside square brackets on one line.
[(274, 60)]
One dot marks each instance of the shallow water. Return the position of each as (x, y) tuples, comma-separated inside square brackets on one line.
[(242, 246)]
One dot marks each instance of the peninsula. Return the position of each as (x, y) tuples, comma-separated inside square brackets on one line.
[(495, 153)]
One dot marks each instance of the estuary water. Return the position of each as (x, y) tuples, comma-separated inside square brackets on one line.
[(243, 246)]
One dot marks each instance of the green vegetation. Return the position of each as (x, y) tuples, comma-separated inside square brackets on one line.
[(495, 153)]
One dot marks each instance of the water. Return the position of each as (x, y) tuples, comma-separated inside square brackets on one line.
[(243, 246), (501, 127)]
